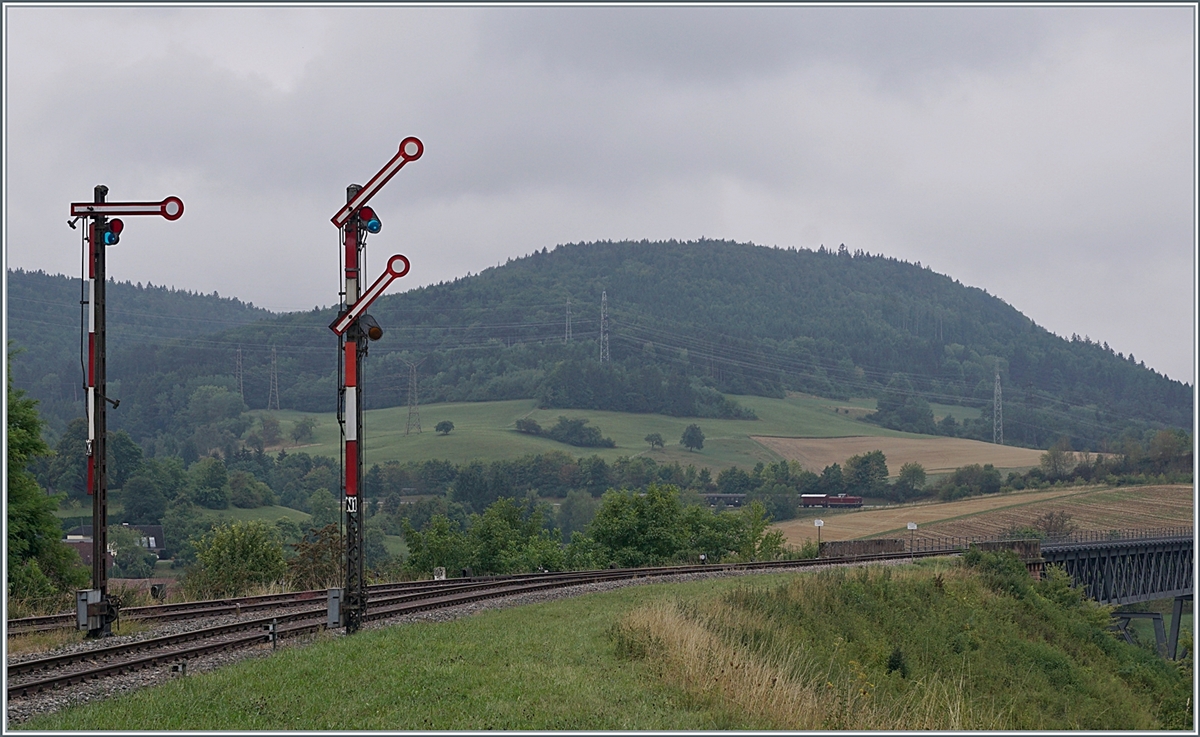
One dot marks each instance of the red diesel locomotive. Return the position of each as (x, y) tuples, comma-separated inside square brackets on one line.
[(825, 500)]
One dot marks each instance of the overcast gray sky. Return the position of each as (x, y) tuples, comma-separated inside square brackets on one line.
[(1044, 154)]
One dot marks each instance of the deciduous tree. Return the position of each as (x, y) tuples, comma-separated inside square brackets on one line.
[(910, 482), (302, 429), (131, 559), (439, 544), (272, 435), (867, 473), (1058, 460), (209, 483), (38, 562), (324, 508), (144, 504)]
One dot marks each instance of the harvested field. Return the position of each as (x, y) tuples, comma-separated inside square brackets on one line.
[(1091, 508), (937, 455), (1127, 507)]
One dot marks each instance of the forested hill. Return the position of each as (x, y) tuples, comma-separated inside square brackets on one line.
[(47, 325), (687, 322)]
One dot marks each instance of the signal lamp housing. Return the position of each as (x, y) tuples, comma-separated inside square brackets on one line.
[(370, 220), (370, 327), (110, 232)]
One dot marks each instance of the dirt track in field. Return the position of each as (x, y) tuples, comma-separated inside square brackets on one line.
[(1091, 508), (937, 455)]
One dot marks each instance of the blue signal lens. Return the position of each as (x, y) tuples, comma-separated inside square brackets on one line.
[(374, 226), (111, 238)]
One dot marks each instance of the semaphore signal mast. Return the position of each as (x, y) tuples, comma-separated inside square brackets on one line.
[(354, 328), (95, 611)]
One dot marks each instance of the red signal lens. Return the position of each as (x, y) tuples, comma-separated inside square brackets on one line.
[(366, 213), (116, 226)]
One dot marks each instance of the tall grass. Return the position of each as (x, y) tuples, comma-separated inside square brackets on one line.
[(36, 606), (925, 648), (784, 687)]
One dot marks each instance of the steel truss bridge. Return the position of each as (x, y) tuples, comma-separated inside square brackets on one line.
[(1127, 571), (1132, 571)]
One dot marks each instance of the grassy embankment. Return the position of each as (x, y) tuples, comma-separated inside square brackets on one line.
[(772, 651), (485, 431)]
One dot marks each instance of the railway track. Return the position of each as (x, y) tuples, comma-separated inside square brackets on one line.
[(209, 608), (305, 612)]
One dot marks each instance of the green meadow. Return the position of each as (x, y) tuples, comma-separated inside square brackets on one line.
[(486, 431)]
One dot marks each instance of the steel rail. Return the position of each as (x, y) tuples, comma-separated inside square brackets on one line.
[(203, 608), (235, 605), (389, 606), (125, 666)]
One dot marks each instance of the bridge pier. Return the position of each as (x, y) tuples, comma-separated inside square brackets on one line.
[(1168, 647), (1176, 616), (1160, 636)]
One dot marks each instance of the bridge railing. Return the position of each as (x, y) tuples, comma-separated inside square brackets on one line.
[(1107, 535), (954, 543)]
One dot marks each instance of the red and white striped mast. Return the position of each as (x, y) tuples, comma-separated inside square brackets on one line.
[(354, 328), (95, 611)]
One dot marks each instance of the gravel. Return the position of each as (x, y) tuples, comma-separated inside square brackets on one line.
[(22, 708)]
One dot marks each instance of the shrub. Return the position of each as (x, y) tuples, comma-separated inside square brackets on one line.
[(896, 662), (1002, 571), (529, 426), (30, 591), (317, 560), (232, 558), (575, 432)]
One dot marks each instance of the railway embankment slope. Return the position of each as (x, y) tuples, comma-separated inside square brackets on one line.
[(936, 645)]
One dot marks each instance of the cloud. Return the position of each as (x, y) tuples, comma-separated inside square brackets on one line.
[(1042, 153)]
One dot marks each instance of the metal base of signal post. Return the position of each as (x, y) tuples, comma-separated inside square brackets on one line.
[(95, 612)]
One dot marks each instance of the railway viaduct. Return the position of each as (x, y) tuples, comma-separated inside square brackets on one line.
[(1130, 571)]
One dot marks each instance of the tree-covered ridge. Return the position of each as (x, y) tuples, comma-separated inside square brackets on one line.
[(688, 321), (45, 318)]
